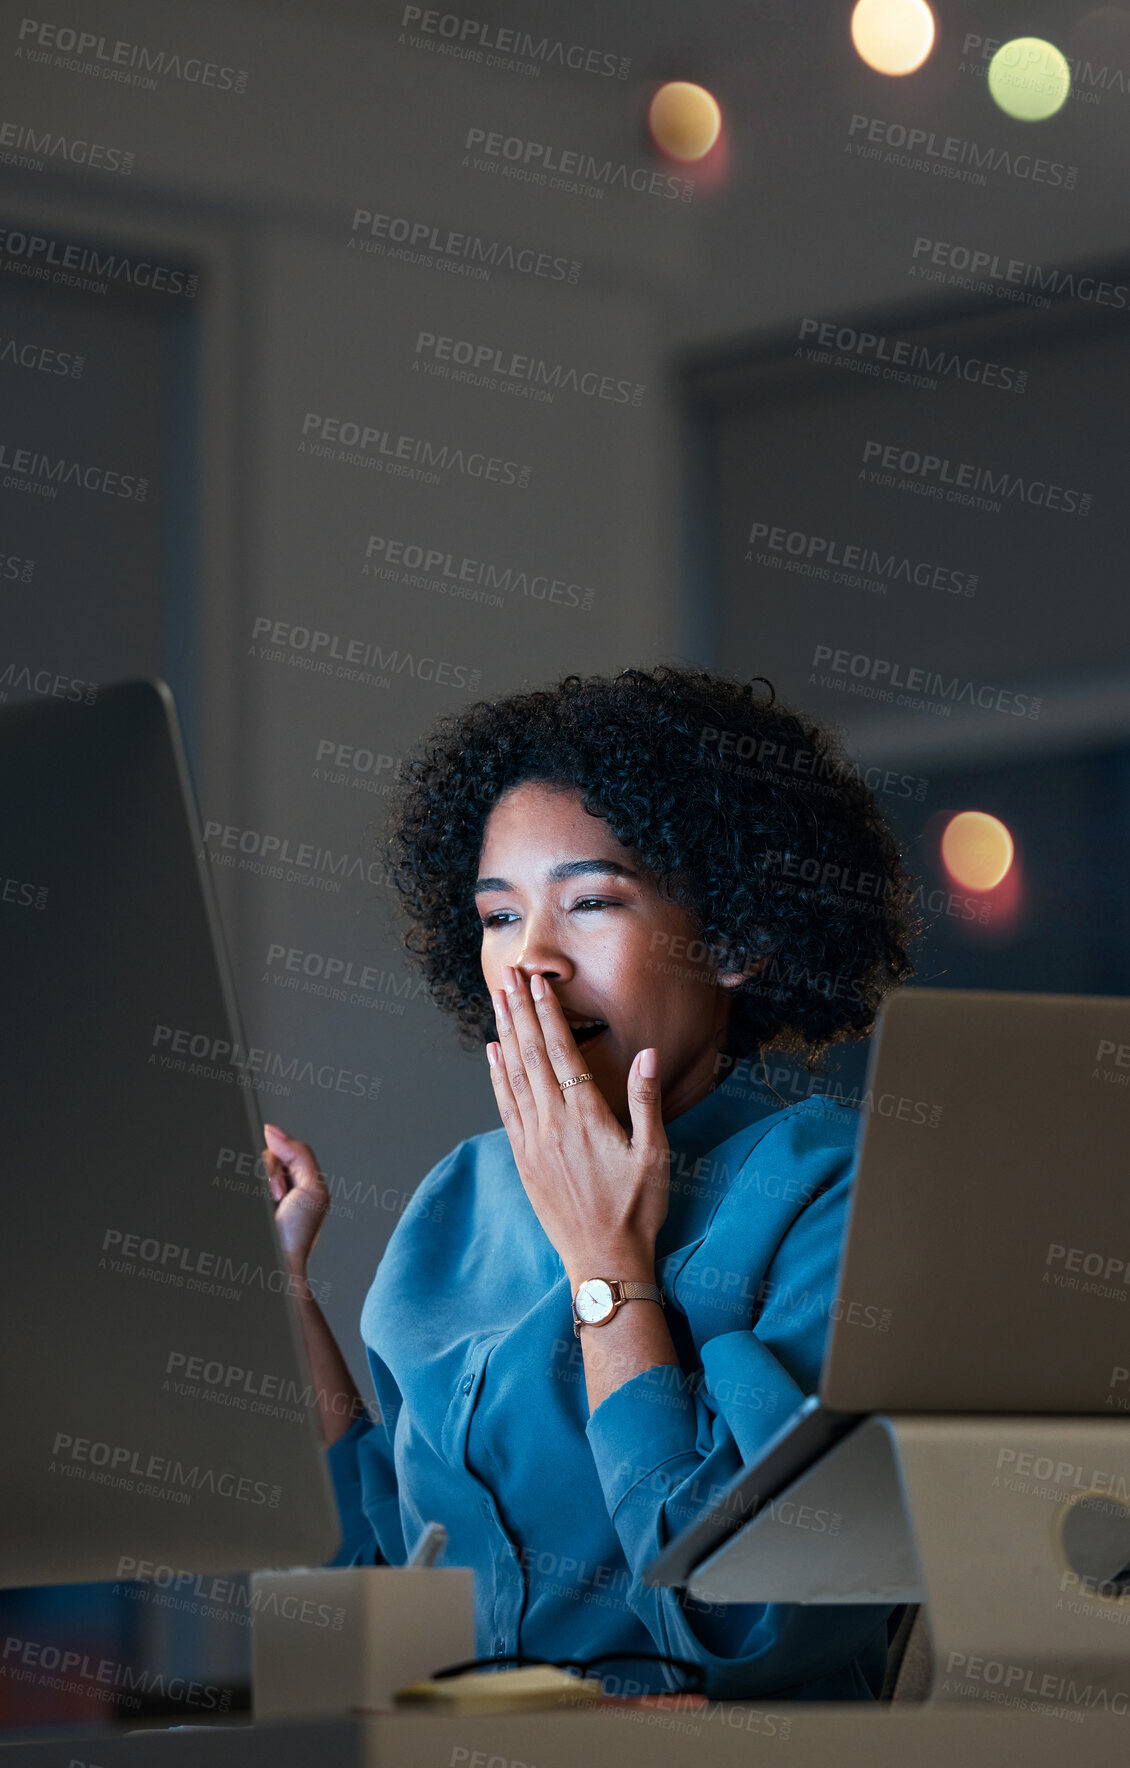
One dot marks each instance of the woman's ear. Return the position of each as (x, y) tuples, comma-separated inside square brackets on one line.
[(734, 978)]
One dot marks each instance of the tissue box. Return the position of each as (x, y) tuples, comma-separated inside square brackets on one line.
[(327, 1639)]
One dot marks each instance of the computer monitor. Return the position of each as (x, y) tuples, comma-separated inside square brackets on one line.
[(989, 1221), (157, 1404), (986, 1264)]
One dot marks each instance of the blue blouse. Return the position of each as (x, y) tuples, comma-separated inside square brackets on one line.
[(485, 1421)]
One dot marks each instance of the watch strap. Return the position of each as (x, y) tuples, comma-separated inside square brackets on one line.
[(631, 1291)]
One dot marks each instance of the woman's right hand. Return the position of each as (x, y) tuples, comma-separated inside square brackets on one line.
[(302, 1197), (302, 1203)]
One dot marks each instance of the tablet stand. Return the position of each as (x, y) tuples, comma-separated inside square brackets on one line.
[(1014, 1531)]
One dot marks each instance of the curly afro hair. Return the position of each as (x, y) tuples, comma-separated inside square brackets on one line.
[(746, 812)]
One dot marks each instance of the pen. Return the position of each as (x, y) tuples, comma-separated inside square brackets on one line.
[(430, 1545)]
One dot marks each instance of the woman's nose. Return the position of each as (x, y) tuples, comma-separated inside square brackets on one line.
[(549, 971), (544, 958)]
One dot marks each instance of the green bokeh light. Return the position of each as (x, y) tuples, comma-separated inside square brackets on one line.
[(1029, 79)]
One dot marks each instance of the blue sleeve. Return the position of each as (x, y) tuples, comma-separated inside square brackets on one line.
[(364, 1481), (664, 1451)]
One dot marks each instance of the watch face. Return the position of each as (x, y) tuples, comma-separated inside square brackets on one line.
[(594, 1300)]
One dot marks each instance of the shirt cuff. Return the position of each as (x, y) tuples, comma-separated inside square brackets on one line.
[(654, 1408), (654, 1419)]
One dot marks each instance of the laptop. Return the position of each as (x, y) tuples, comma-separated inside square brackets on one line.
[(158, 1402), (986, 1263)]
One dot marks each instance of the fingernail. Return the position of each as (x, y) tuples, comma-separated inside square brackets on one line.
[(492, 1055), (511, 976), (275, 1131), (498, 997), (537, 986), (649, 1065)]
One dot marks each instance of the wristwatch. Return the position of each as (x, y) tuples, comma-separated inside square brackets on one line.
[(597, 1299)]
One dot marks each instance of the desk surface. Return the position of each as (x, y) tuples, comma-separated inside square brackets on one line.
[(731, 1734)]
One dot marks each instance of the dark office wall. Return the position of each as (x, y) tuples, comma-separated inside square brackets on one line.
[(294, 324)]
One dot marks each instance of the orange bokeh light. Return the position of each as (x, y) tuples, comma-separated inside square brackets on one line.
[(684, 119), (893, 36), (977, 849)]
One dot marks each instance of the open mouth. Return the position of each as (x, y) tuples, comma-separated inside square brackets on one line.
[(588, 1030)]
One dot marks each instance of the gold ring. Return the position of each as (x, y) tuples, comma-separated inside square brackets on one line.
[(576, 1081)]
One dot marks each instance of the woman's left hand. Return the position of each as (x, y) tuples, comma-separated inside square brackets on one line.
[(600, 1194)]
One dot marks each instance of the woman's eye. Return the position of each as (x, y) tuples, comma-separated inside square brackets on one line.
[(503, 917)]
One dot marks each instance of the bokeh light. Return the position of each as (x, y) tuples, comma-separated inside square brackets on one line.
[(893, 36), (1029, 79), (977, 849), (684, 120)]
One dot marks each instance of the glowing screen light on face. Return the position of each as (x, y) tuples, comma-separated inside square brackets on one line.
[(1029, 79), (684, 120), (977, 850), (893, 36)]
